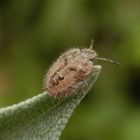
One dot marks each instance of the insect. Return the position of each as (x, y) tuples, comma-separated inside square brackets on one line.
[(71, 68)]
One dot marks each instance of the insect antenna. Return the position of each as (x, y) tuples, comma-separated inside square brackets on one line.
[(109, 60), (91, 44)]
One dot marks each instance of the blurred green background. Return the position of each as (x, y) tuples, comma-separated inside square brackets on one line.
[(33, 33)]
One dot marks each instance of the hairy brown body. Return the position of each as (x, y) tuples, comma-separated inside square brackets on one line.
[(69, 71)]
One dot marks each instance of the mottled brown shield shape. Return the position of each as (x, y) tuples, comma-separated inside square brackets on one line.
[(70, 69)]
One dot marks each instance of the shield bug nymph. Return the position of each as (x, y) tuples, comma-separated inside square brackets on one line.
[(70, 69)]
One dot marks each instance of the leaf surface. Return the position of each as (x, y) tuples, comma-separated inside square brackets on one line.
[(41, 117)]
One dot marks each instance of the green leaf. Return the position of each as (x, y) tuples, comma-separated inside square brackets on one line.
[(41, 117)]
